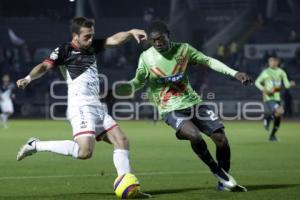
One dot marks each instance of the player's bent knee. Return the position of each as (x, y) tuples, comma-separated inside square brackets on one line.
[(279, 111), (85, 154), (219, 139)]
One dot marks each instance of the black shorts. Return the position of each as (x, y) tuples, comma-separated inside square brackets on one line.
[(201, 115), (271, 106)]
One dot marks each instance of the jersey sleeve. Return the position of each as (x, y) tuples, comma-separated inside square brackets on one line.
[(198, 57), (285, 80), (98, 45), (260, 79), (56, 57), (141, 75), (137, 82)]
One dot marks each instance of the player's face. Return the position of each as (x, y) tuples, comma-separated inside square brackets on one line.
[(85, 38), (273, 62), (160, 41)]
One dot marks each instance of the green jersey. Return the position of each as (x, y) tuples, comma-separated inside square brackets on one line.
[(270, 80), (167, 78)]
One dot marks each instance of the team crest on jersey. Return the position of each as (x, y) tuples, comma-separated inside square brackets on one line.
[(83, 124), (179, 59)]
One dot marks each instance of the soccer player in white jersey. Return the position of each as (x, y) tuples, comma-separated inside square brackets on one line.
[(89, 121), (7, 107)]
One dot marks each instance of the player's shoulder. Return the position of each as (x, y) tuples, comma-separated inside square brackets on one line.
[(61, 49), (146, 53), (180, 45), (281, 70)]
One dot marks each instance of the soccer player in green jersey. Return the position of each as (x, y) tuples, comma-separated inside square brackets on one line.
[(270, 83), (163, 68)]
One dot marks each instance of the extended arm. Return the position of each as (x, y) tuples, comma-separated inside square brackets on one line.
[(198, 57), (136, 83), (258, 83), (35, 73), (122, 37), (287, 84)]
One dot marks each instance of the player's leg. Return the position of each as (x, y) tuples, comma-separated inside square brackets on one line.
[(4, 117), (109, 131), (279, 111), (121, 150), (81, 148), (209, 123), (190, 132), (268, 114), (187, 130), (112, 134), (7, 110), (223, 152)]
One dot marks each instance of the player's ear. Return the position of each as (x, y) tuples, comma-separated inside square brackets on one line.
[(75, 36)]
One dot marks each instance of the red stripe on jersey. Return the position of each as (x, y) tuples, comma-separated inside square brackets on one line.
[(51, 62), (161, 72), (162, 91), (183, 65), (167, 96), (85, 132), (175, 69), (152, 70), (173, 91)]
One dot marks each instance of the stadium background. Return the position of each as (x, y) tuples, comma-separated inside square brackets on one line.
[(241, 33)]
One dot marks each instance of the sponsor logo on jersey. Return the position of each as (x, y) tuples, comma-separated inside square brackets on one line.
[(83, 124)]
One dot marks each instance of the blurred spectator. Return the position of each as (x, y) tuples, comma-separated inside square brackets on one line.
[(221, 52), (233, 51), (15, 39), (293, 37), (149, 15)]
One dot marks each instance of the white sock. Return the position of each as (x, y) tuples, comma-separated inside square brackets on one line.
[(4, 119), (64, 147), (121, 161)]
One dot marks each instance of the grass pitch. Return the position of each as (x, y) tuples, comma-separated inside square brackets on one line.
[(166, 167)]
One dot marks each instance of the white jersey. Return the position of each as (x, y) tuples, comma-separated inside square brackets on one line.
[(6, 91), (79, 68), (85, 112), (5, 98)]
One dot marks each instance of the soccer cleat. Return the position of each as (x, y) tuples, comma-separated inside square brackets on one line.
[(142, 195), (273, 138), (237, 188), (220, 187), (225, 179), (28, 149)]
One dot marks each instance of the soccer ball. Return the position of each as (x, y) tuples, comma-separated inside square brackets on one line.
[(126, 186)]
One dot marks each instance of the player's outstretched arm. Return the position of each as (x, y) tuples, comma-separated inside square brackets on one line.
[(136, 83), (122, 37), (35, 73), (218, 66), (244, 78)]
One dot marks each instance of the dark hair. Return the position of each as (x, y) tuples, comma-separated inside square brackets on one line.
[(79, 22), (158, 26)]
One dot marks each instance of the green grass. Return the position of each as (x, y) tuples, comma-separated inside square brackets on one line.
[(166, 167)]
